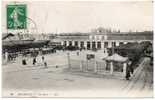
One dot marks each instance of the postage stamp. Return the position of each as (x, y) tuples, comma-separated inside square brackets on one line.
[(16, 16)]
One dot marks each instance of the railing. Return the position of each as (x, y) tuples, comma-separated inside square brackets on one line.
[(92, 66)]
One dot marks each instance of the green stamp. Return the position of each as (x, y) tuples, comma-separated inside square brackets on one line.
[(16, 17)]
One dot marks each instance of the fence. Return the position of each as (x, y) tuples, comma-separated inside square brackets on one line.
[(92, 66), (88, 66)]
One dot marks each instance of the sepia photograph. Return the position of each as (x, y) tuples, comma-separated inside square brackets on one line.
[(77, 49)]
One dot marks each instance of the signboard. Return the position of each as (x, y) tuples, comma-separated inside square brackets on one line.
[(16, 16)]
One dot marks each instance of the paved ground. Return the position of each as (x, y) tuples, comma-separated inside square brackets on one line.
[(142, 82), (55, 82)]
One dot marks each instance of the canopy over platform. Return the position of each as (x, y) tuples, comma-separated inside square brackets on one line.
[(4, 36), (117, 58)]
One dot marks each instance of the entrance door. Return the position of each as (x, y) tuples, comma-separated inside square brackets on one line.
[(93, 45)]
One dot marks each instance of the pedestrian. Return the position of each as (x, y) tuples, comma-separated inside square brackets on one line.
[(127, 75), (127, 72), (45, 64), (131, 64), (56, 66), (43, 58), (34, 61), (24, 62), (131, 69)]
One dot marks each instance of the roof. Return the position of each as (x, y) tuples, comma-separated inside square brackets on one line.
[(4, 36), (116, 57), (110, 36)]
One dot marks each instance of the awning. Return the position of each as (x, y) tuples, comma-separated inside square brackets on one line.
[(117, 58)]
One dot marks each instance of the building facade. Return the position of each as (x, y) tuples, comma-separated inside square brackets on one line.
[(101, 41)]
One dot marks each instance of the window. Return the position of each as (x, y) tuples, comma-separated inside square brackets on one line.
[(76, 43), (99, 45), (65, 43), (93, 45), (88, 45), (106, 44), (70, 43), (81, 44)]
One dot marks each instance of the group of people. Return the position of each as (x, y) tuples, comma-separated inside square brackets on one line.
[(35, 62), (12, 57)]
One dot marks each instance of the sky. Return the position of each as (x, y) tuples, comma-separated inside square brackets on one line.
[(82, 16)]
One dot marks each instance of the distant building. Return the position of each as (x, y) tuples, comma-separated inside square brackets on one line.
[(87, 40), (102, 40)]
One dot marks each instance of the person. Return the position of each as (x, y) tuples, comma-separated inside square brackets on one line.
[(56, 66), (45, 64), (9, 57), (127, 75), (127, 72), (34, 61), (131, 67), (24, 62), (132, 70), (43, 58)]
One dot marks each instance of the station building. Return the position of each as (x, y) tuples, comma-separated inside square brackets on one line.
[(102, 40)]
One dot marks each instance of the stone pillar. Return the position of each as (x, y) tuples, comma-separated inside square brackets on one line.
[(62, 42), (109, 44), (102, 45), (111, 68), (6, 56), (79, 44), (124, 69), (73, 43), (96, 44), (117, 43), (67, 43), (85, 44), (90, 45)]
